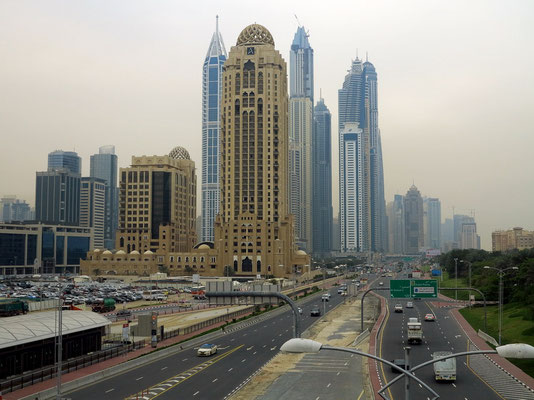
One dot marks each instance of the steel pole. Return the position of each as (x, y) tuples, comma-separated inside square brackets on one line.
[(456, 278), (500, 304), (406, 377)]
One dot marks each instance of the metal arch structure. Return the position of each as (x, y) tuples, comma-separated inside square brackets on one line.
[(294, 307)]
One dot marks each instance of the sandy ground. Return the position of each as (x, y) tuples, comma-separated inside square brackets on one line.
[(332, 330)]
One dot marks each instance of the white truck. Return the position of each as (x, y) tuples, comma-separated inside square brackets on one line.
[(415, 331), (444, 370)]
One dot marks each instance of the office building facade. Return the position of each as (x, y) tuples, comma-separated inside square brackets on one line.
[(396, 228), (157, 203), (14, 210), (57, 197), (59, 159), (42, 248), (104, 165), (322, 217), (93, 207), (516, 238), (211, 116)]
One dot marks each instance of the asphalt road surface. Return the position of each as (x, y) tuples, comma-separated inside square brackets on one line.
[(184, 375), (444, 334)]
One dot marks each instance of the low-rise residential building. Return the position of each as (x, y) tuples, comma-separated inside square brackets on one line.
[(516, 238)]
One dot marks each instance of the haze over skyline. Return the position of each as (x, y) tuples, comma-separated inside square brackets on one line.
[(455, 84)]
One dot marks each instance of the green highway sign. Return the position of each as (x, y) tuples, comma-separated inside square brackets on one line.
[(413, 288)]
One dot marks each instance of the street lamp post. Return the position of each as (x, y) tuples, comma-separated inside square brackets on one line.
[(501, 272), (456, 278), (469, 274)]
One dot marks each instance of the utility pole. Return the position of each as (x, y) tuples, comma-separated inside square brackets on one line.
[(456, 277)]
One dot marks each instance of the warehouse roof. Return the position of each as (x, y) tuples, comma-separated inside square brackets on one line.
[(42, 325)]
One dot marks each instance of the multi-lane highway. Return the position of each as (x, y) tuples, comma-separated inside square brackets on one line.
[(444, 334), (184, 375)]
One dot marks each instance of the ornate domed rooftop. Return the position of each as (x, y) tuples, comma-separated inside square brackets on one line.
[(179, 153), (148, 252), (301, 253), (120, 252), (255, 34), (106, 252), (204, 247), (134, 252)]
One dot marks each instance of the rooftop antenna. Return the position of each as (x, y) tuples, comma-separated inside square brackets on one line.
[(356, 54), (366, 56), (297, 18), (321, 93), (217, 24)]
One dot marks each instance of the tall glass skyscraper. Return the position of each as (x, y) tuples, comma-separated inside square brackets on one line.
[(300, 137), (322, 217), (60, 159), (104, 165), (358, 104), (211, 100)]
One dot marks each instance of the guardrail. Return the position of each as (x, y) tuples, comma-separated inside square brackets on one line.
[(42, 374)]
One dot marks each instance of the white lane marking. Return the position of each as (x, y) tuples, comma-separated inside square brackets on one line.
[(197, 392), (264, 346), (317, 398), (338, 373), (273, 348), (250, 348), (453, 385), (110, 390), (215, 380), (164, 368), (272, 340), (138, 379), (421, 386), (243, 360), (185, 359), (328, 385), (230, 369), (254, 353)]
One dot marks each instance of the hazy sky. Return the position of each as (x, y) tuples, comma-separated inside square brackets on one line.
[(455, 81)]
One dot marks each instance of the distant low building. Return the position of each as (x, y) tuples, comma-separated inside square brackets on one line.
[(516, 238)]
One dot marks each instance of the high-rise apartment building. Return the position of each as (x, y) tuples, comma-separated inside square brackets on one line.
[(322, 218), (157, 203), (14, 210), (516, 238), (60, 159), (104, 165), (354, 191), (358, 104), (413, 221), (254, 230), (432, 223), (300, 137), (57, 197), (396, 229), (468, 236), (93, 207), (211, 101)]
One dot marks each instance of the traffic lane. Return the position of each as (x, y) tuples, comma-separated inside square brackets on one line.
[(227, 375), (467, 385), (134, 381)]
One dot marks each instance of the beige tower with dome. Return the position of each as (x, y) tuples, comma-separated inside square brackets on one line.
[(254, 231)]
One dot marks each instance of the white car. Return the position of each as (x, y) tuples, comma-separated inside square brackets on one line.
[(207, 349), (409, 305)]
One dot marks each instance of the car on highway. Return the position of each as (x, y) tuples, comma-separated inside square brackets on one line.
[(315, 311), (381, 283), (300, 310), (124, 313), (409, 305), (430, 317), (398, 307), (207, 349), (325, 297), (399, 362)]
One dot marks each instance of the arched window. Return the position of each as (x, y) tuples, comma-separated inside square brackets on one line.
[(245, 99), (246, 265), (258, 266), (235, 265)]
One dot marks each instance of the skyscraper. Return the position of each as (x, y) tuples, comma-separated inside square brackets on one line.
[(300, 137), (93, 207), (57, 197), (354, 207), (413, 221), (322, 218), (60, 159), (211, 100), (432, 214), (358, 104), (396, 222), (104, 165), (157, 203), (254, 230)]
